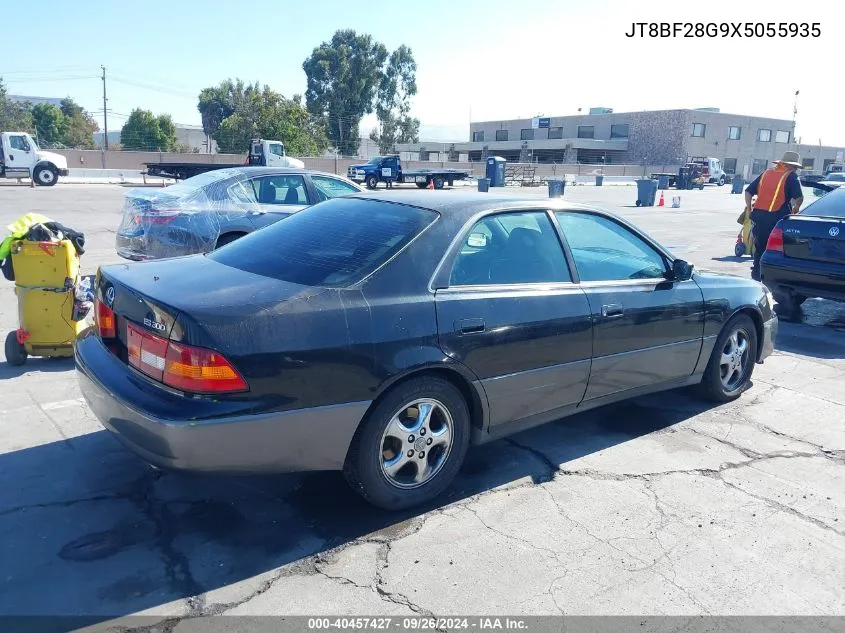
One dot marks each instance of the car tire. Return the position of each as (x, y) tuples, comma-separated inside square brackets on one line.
[(720, 384), (46, 175), (15, 352), (739, 249), (789, 301), (721, 181), (438, 182), (371, 182), (422, 185), (367, 467), (227, 238)]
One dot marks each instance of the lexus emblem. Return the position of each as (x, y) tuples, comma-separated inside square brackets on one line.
[(834, 231), (110, 296)]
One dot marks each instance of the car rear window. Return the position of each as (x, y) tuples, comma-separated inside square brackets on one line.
[(333, 244), (830, 205)]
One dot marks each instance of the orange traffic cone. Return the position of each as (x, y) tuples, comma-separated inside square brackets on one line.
[(430, 184), (661, 203)]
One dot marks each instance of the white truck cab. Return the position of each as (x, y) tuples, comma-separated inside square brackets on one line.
[(20, 157), (713, 170), (271, 154)]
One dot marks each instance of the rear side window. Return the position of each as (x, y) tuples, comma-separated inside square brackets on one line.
[(830, 205), (334, 244)]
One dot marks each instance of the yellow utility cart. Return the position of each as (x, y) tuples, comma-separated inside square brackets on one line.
[(46, 274)]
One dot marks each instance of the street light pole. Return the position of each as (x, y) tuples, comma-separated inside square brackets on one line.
[(794, 113)]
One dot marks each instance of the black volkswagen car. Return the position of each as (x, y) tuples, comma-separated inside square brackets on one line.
[(805, 255), (382, 335)]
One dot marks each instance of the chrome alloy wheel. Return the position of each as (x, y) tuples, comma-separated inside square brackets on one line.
[(733, 364), (416, 443)]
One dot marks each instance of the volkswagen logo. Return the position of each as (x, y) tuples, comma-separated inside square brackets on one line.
[(110, 296), (834, 231)]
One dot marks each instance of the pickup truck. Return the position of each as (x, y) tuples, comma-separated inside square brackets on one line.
[(261, 154), (20, 157), (388, 169)]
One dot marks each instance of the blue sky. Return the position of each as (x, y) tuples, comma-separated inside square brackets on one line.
[(486, 59)]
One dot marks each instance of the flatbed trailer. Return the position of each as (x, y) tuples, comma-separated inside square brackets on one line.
[(388, 169)]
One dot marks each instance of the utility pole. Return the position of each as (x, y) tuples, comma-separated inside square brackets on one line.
[(105, 112), (794, 113)]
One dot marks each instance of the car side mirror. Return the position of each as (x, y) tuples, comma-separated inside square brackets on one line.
[(477, 240), (681, 270)]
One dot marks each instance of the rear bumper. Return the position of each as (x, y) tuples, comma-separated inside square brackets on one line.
[(804, 277), (176, 436)]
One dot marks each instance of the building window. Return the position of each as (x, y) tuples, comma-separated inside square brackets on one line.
[(527, 135), (764, 136), (478, 137), (619, 131), (586, 131), (759, 166), (782, 137), (698, 130), (730, 165), (809, 163), (501, 135), (734, 133), (555, 132)]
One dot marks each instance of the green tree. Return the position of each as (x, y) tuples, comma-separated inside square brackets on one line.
[(80, 125), (343, 77), (144, 131), (393, 101), (14, 116), (51, 125), (219, 102), (264, 113)]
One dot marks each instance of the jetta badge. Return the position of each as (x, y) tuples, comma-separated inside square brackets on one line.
[(834, 231), (110, 296)]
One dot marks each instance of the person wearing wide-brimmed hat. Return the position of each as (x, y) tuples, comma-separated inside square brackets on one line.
[(778, 193)]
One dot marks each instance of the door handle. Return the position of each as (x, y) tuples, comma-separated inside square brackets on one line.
[(470, 326), (611, 311)]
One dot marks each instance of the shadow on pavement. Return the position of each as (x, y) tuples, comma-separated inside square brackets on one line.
[(35, 364), (815, 329), (86, 529)]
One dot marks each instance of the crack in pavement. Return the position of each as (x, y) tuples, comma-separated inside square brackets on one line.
[(63, 504)]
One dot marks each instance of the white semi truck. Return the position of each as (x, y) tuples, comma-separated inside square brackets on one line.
[(20, 157)]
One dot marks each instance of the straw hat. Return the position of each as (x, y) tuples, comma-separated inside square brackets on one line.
[(791, 158)]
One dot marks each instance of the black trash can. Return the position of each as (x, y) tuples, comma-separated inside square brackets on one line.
[(599, 181), (556, 188), (484, 184), (646, 192), (663, 183), (737, 185)]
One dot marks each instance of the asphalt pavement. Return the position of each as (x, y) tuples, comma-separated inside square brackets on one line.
[(662, 505)]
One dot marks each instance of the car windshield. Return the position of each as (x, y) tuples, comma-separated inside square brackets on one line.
[(333, 244), (836, 178), (190, 185), (375, 160), (830, 205)]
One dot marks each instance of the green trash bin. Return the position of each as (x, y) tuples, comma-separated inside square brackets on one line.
[(556, 188), (484, 184), (599, 181)]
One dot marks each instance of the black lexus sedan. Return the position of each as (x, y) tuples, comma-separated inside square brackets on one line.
[(805, 255), (382, 335)]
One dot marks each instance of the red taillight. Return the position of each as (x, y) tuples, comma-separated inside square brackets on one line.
[(104, 317), (182, 367), (775, 242), (200, 370)]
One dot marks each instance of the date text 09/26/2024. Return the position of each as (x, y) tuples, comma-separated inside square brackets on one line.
[(724, 29), (416, 623)]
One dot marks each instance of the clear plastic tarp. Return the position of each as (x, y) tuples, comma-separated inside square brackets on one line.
[(205, 212)]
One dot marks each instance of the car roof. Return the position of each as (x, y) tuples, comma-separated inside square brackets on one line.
[(462, 205), (262, 171)]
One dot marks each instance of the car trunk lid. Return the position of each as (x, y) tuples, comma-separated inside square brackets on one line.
[(814, 238)]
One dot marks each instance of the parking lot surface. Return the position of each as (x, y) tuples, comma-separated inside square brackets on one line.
[(662, 505)]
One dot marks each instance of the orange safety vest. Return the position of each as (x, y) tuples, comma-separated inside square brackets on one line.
[(771, 193)]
